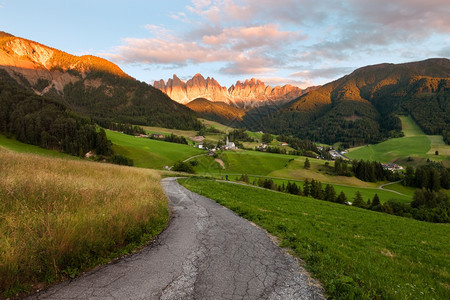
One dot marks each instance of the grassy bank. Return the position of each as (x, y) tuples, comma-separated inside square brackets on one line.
[(148, 153), (59, 217), (20, 147), (355, 253)]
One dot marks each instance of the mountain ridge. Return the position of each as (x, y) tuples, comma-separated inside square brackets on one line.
[(361, 107), (90, 86), (245, 94)]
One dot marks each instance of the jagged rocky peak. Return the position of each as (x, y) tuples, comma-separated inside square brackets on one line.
[(251, 92)]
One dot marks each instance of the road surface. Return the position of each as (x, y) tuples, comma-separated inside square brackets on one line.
[(206, 252)]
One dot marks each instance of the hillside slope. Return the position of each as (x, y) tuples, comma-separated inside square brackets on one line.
[(89, 85), (218, 111), (360, 107)]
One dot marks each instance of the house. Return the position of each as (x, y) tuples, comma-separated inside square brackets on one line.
[(392, 167), (157, 136), (197, 138), (283, 144)]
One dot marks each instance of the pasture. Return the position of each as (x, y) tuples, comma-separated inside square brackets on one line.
[(414, 144), (148, 153), (355, 253)]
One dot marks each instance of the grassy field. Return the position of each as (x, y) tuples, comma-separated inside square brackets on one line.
[(349, 191), (20, 147), (276, 166), (355, 253), (243, 162), (147, 153), (216, 125), (415, 144), (59, 217)]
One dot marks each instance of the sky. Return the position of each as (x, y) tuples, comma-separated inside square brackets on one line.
[(298, 42)]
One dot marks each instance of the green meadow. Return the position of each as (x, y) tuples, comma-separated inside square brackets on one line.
[(148, 153), (16, 146), (414, 144), (349, 191), (243, 162), (355, 253)]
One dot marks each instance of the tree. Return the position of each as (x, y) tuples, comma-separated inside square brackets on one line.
[(307, 164), (409, 176), (375, 201), (358, 201), (341, 198), (436, 152), (267, 138), (181, 166), (306, 188), (330, 193)]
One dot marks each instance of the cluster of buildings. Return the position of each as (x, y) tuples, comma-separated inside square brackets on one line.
[(392, 167)]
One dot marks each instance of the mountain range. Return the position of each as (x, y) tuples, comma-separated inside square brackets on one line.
[(362, 107), (89, 85), (359, 108), (247, 94)]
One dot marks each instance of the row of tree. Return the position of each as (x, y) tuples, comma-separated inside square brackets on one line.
[(172, 138), (371, 171), (432, 177), (427, 205), (121, 127)]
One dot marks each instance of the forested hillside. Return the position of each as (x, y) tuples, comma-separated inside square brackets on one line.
[(89, 85), (361, 107), (41, 121)]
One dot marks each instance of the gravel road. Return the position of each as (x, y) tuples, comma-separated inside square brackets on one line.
[(206, 252)]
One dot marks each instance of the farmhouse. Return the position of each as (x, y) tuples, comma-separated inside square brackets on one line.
[(157, 136), (392, 167)]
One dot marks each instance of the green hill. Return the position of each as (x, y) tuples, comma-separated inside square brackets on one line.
[(415, 144), (148, 153), (360, 108)]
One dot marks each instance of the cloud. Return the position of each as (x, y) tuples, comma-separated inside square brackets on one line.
[(265, 36), (242, 38), (444, 52), (277, 81), (322, 73)]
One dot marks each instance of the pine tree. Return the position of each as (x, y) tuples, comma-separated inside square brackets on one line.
[(358, 201), (330, 193), (307, 164), (306, 188), (341, 198), (375, 201)]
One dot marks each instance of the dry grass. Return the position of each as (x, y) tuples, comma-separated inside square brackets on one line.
[(58, 217)]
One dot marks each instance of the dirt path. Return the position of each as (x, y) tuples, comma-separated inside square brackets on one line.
[(207, 252), (220, 162)]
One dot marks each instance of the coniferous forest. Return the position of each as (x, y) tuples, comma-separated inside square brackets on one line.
[(40, 121)]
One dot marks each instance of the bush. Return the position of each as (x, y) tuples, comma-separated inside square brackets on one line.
[(181, 166), (119, 159)]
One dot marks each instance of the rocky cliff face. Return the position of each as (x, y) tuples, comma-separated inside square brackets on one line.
[(40, 65), (250, 93)]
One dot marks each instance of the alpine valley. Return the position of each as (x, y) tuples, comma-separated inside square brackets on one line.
[(359, 108)]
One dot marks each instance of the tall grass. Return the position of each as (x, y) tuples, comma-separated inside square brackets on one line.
[(355, 253), (59, 217)]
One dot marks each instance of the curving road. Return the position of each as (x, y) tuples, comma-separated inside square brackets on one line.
[(206, 252)]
